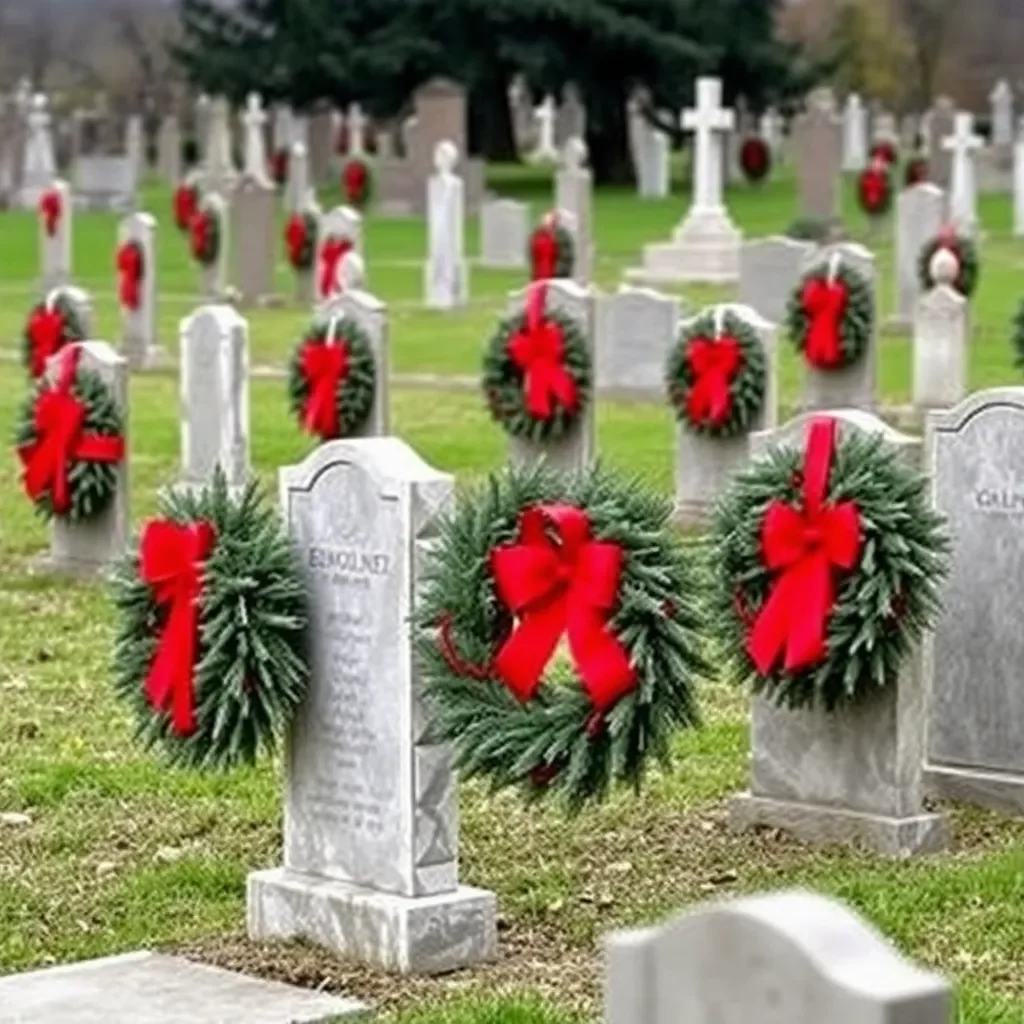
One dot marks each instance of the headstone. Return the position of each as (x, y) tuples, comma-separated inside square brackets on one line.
[(321, 146), (213, 278), (297, 190), (574, 186), (135, 146), (920, 214), (910, 134), (202, 122), (941, 335), (355, 122), (571, 118), (139, 326), (1018, 182), (704, 466), (445, 278), (941, 124), (340, 225), (305, 280), (546, 151), (771, 128), (254, 121), (504, 233), (169, 149), (39, 168), (855, 134), (818, 143), (371, 827), (219, 167), (634, 332), (884, 129), (963, 194), (214, 396), (521, 105), (744, 128), (56, 249), (106, 183), (852, 387), (1002, 114), (253, 239), (770, 269), (973, 657), (282, 128), (784, 958), (653, 153), (852, 775)]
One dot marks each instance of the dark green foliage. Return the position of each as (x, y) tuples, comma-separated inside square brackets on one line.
[(92, 485), (882, 607), (553, 744), (747, 388), (206, 255), (252, 667), (565, 246), (1018, 338), (74, 329), (810, 229), (966, 252)]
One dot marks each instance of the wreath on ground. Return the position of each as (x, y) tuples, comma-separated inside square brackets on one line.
[(916, 171), (828, 568), (537, 371), (966, 253), (755, 159), (211, 645), (527, 560), (357, 182), (886, 151), (332, 378), (552, 249), (300, 239), (50, 326), (831, 315), (874, 189), (130, 262), (70, 441), (204, 235), (717, 374), (186, 203)]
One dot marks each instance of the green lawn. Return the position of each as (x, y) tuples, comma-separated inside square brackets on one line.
[(121, 852)]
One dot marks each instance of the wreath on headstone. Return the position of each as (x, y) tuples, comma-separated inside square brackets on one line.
[(831, 315), (186, 203), (552, 251), (51, 325), (966, 253), (537, 371), (755, 159), (333, 250), (300, 239), (204, 235), (357, 182), (886, 151), (874, 188), (828, 565), (279, 166), (717, 374), (211, 644), (527, 561), (70, 442), (130, 262), (51, 209), (332, 378), (916, 171)]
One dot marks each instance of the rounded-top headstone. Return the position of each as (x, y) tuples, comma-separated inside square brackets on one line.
[(446, 156), (351, 271), (575, 152), (944, 266)]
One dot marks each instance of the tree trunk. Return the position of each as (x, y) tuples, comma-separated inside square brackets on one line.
[(490, 118), (608, 137)]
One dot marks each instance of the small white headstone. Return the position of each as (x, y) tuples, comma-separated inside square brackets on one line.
[(254, 122), (55, 249), (341, 232), (139, 326), (545, 116), (297, 191), (963, 188), (504, 233), (920, 213), (574, 188), (940, 338), (445, 272), (769, 271), (855, 134), (635, 329), (1002, 114), (356, 124)]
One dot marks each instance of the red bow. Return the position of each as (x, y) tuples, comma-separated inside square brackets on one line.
[(804, 546), (59, 419), (331, 253), (824, 302), (50, 208), (557, 580), (45, 337), (324, 367), (354, 180), (185, 206), (129, 269), (199, 235), (295, 238), (538, 351), (713, 365), (170, 561), (544, 254), (873, 187)]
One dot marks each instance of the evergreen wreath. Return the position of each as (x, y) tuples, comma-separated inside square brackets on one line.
[(51, 325), (357, 182), (966, 252), (130, 262), (552, 250), (186, 203), (916, 171), (300, 239), (755, 159), (874, 189), (831, 315), (332, 378), (204, 235), (537, 371), (211, 652), (827, 567), (70, 441), (531, 556), (717, 374)]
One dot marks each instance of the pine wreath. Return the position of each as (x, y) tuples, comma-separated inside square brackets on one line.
[(300, 239), (874, 189), (50, 326), (332, 378), (716, 374), (186, 203), (524, 559), (204, 235), (70, 441), (552, 251), (130, 262), (211, 645), (828, 567), (357, 182), (831, 315), (755, 159), (966, 252), (916, 171), (537, 371)]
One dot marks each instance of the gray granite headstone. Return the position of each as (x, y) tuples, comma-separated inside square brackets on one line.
[(297, 192), (504, 233), (253, 238), (571, 117), (920, 211), (817, 137), (371, 826), (55, 249), (214, 396), (139, 326), (973, 659), (169, 149), (574, 188), (321, 145), (941, 335), (770, 269), (106, 182), (852, 776), (941, 123), (782, 958)]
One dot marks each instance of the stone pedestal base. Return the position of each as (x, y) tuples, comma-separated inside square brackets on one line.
[(895, 837), (691, 515), (51, 565), (411, 935), (706, 248), (995, 790)]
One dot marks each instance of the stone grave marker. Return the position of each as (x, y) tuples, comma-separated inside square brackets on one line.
[(213, 279), (545, 113), (504, 233), (341, 232), (202, 127), (106, 183), (920, 214), (219, 174), (782, 958), (963, 188), (1001, 100), (571, 117), (55, 249), (253, 240), (80, 300), (355, 123), (39, 169), (281, 128), (445, 274), (772, 129), (305, 283), (254, 121), (853, 776), (371, 825), (652, 159), (705, 465), (941, 335), (855, 134), (321, 145), (1018, 182), (135, 146), (139, 343), (634, 332), (574, 186), (214, 396), (818, 143), (770, 269), (941, 124), (297, 192), (169, 149)]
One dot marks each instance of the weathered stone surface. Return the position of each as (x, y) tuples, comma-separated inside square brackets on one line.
[(817, 140), (504, 233), (139, 326), (574, 188), (941, 335), (445, 274), (920, 211), (635, 329), (770, 268), (253, 239)]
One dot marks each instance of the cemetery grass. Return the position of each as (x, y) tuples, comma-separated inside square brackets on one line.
[(104, 849)]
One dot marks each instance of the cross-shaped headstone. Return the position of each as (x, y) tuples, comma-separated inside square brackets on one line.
[(963, 191), (963, 140), (254, 119), (708, 121)]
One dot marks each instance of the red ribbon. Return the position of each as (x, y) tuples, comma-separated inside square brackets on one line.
[(538, 351), (331, 253), (129, 271), (324, 367), (824, 302), (50, 208), (171, 557), (354, 179), (185, 206), (45, 337), (295, 238), (806, 547), (199, 235), (713, 365), (873, 188), (544, 253), (557, 580), (59, 419)]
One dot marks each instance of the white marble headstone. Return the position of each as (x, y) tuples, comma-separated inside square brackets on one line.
[(920, 214), (635, 329), (445, 274), (504, 233), (574, 188), (56, 249), (139, 326)]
